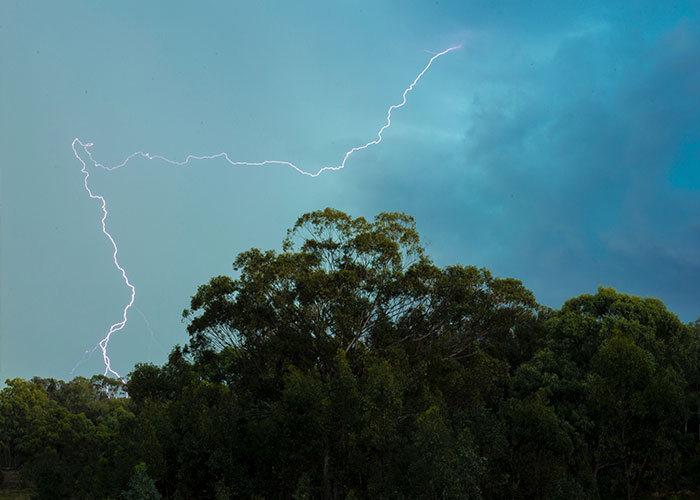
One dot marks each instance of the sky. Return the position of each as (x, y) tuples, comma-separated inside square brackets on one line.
[(559, 146)]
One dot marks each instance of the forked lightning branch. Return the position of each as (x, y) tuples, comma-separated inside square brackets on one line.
[(84, 155)]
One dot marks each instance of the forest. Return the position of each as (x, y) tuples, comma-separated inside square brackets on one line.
[(348, 365)]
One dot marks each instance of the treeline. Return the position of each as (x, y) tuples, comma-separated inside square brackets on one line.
[(349, 366)]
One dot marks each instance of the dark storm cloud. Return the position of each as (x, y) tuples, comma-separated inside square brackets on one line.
[(566, 174)]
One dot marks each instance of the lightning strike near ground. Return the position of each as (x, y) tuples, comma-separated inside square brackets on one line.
[(77, 144)]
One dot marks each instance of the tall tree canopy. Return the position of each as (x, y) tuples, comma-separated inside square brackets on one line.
[(349, 284), (350, 366)]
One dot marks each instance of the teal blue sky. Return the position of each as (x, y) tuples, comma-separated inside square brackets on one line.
[(560, 146)]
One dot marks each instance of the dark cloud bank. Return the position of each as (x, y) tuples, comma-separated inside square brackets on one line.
[(580, 164)]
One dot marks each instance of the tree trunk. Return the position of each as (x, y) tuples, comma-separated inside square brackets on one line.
[(326, 477), (699, 413)]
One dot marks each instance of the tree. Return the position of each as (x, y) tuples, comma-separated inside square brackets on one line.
[(141, 487), (603, 364), (25, 420), (541, 449), (70, 441), (335, 347), (349, 366), (638, 411), (350, 284)]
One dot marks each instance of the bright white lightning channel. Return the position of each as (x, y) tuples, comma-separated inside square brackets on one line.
[(85, 147)]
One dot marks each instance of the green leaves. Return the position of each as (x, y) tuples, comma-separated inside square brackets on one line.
[(342, 340), (69, 439), (349, 366), (141, 486), (605, 361)]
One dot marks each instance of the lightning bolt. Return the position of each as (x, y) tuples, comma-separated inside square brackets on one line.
[(114, 328), (102, 344)]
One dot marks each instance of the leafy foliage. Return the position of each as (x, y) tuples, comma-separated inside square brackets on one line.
[(349, 366)]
